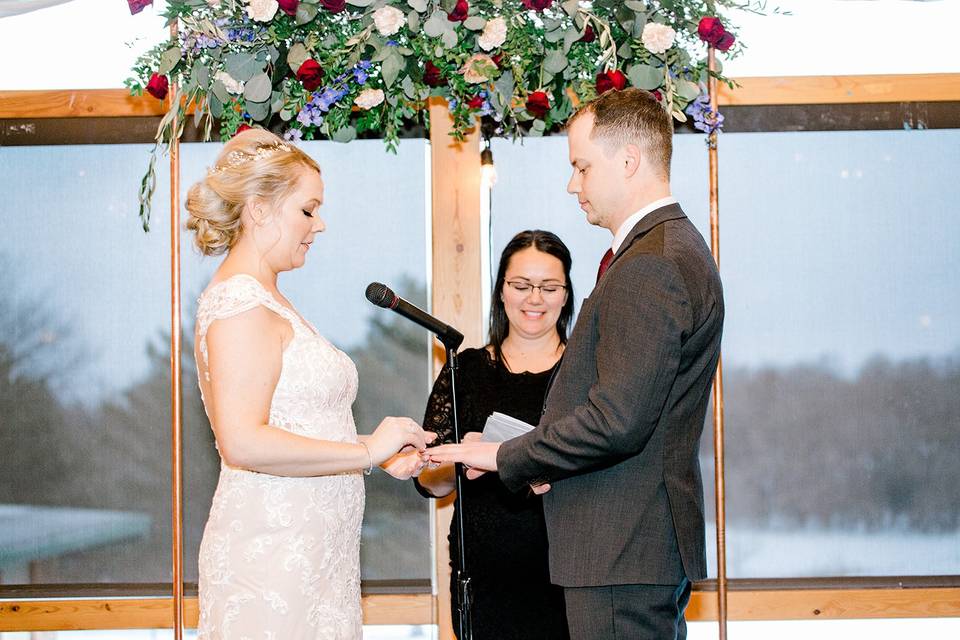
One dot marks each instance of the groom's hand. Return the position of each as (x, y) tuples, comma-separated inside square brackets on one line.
[(478, 457)]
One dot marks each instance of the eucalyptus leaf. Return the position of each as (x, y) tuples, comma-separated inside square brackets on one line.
[(409, 89), (286, 115), (626, 18), (505, 85), (550, 24), (220, 93), (305, 13), (258, 88), (297, 55), (537, 128), (360, 3), (413, 22), (571, 7), (474, 23), (625, 51), (448, 5), (418, 5), (390, 69), (201, 73), (687, 90), (259, 111), (636, 5), (168, 60), (553, 36), (344, 134), (638, 25), (242, 66), (555, 61), (391, 99), (571, 35), (216, 104), (644, 76), (435, 25), (449, 39)]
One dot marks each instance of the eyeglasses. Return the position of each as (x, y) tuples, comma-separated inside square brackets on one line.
[(547, 290)]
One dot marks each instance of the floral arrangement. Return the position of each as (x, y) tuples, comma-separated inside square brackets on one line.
[(339, 68)]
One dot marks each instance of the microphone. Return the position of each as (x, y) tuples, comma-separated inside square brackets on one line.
[(382, 296)]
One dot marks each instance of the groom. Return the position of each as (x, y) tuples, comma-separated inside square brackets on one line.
[(619, 438)]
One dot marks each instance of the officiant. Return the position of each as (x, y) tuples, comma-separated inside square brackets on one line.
[(505, 535)]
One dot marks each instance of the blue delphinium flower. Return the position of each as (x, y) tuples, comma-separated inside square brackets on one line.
[(704, 119), (293, 135)]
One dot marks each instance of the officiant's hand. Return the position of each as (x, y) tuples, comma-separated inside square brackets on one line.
[(478, 457)]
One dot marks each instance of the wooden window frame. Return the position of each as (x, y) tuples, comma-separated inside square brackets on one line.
[(456, 262)]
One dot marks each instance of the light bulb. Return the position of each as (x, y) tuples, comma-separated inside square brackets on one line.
[(488, 170)]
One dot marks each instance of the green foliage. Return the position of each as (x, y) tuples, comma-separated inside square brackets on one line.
[(221, 52)]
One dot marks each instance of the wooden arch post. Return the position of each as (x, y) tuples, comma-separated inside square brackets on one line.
[(457, 284), (718, 453), (176, 392)]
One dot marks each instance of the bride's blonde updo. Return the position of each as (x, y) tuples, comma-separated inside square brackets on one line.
[(254, 163)]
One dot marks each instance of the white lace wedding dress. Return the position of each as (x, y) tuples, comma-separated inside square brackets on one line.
[(279, 558)]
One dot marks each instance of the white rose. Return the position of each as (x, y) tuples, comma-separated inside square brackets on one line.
[(214, 3), (494, 34), (478, 68), (369, 98), (388, 20), (657, 38), (233, 86), (262, 10)]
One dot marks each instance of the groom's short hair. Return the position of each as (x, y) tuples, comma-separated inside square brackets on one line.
[(632, 116)]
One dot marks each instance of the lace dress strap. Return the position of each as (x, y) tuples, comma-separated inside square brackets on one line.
[(231, 297)]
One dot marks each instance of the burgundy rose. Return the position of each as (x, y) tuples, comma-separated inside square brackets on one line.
[(656, 94), (136, 6), (289, 7), (725, 42), (712, 32), (497, 59), (588, 35), (459, 13), (310, 74), (538, 104), (334, 6), (158, 86), (243, 127), (611, 80), (537, 5), (432, 76), (476, 102)]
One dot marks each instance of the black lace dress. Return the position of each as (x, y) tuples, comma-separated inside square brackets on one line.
[(504, 532)]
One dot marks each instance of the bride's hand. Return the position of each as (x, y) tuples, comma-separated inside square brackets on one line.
[(405, 465), (394, 435)]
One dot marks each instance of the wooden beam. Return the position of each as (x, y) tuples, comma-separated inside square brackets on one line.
[(929, 87), (925, 87), (802, 604), (824, 604), (157, 613), (78, 103)]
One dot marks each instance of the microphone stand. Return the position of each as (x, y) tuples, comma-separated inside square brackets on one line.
[(464, 590)]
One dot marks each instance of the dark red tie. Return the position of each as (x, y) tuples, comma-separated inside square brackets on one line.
[(605, 263)]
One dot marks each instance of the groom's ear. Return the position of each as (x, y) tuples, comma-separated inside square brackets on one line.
[(631, 157)]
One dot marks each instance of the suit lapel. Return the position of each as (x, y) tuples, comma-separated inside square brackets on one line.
[(647, 223)]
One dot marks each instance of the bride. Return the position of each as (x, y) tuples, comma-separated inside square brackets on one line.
[(280, 552)]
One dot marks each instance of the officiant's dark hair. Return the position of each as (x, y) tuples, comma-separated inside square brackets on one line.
[(544, 242)]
